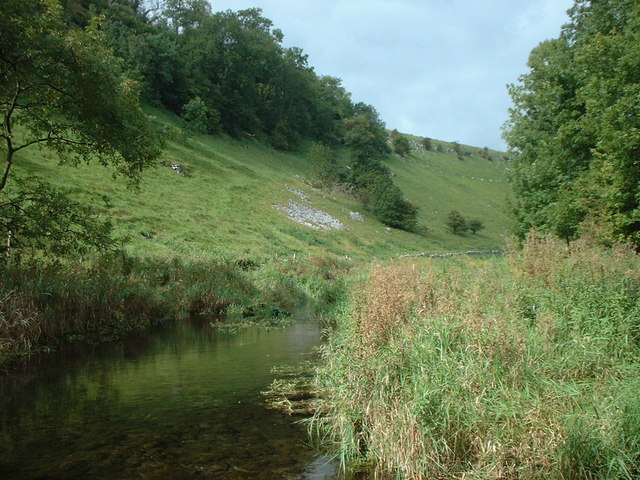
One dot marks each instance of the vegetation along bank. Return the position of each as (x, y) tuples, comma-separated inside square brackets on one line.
[(517, 367), (136, 191), (524, 367), (230, 177)]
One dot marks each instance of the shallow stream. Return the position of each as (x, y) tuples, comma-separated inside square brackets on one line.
[(179, 402)]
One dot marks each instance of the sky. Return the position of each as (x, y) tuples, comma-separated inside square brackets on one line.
[(432, 68)]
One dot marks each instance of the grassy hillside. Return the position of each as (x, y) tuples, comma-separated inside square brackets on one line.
[(223, 202)]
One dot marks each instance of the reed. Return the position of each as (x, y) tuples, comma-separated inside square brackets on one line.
[(490, 369), (46, 303)]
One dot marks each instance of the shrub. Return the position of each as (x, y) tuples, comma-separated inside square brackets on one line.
[(456, 223), (201, 118), (386, 202), (401, 145), (323, 170), (475, 225)]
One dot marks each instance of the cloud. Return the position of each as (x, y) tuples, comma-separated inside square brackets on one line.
[(435, 68)]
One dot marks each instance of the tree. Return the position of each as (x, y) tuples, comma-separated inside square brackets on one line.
[(401, 145), (323, 165), (61, 88), (475, 225), (426, 143), (385, 201), (456, 223), (200, 117), (332, 104), (184, 15), (574, 127), (35, 216), (365, 134)]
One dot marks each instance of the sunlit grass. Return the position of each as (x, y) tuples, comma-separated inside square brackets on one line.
[(224, 206), (523, 367)]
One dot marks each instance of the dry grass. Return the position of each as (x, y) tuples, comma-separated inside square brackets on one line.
[(491, 369), (16, 318), (43, 305), (386, 301)]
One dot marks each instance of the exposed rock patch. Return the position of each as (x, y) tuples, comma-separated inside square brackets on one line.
[(454, 254), (299, 193), (310, 217), (356, 216), (305, 215)]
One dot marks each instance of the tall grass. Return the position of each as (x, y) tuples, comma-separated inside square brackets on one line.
[(44, 304), (522, 368)]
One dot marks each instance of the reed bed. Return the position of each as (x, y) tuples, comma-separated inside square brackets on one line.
[(525, 367), (44, 304)]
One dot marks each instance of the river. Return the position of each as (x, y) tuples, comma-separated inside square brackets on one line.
[(181, 401)]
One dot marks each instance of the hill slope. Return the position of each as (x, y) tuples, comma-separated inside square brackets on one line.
[(222, 203)]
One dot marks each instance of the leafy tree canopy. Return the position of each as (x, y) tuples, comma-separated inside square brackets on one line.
[(575, 127), (324, 169), (401, 145), (364, 132), (61, 88), (386, 202), (456, 223)]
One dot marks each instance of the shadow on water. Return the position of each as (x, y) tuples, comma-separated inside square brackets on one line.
[(180, 402)]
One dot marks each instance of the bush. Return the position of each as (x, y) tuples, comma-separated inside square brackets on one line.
[(323, 170), (385, 201), (401, 145), (475, 225), (456, 223), (201, 118)]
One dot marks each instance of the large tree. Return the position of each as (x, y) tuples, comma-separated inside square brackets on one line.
[(365, 134), (575, 127), (62, 89)]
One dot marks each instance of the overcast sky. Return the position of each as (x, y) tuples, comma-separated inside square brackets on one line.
[(433, 68)]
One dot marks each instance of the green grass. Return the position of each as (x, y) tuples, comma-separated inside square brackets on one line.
[(439, 182), (519, 368), (218, 218), (224, 207)]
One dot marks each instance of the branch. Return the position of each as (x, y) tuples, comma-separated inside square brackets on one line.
[(8, 137)]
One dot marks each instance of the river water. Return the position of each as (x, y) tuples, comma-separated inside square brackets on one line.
[(179, 402)]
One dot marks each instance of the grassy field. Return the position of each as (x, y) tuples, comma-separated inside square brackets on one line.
[(222, 206)]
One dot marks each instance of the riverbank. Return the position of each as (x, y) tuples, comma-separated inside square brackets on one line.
[(525, 367), (44, 304)]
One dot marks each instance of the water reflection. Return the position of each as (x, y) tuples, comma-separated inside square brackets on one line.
[(181, 402)]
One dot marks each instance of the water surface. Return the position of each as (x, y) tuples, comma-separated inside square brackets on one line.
[(180, 402)]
